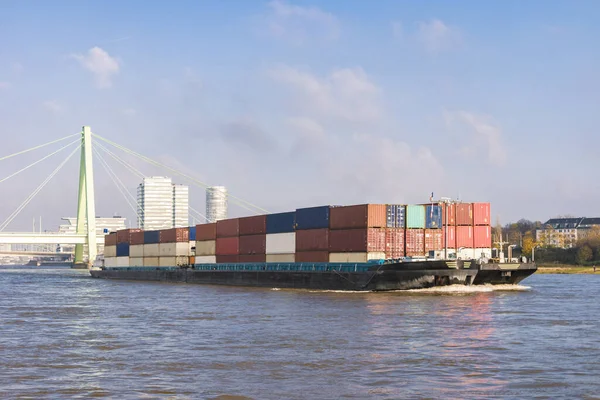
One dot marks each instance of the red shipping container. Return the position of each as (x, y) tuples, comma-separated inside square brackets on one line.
[(482, 237), (206, 231), (312, 240), (228, 227), (394, 242), (449, 232), (124, 235), (255, 225), (136, 238), (464, 236), (434, 240), (253, 244), (312, 256), (228, 246), (360, 216), (357, 240), (481, 214), (110, 239), (252, 258), (227, 259), (448, 212), (175, 235), (415, 242), (464, 214)]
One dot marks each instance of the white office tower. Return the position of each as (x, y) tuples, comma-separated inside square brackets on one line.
[(157, 198), (181, 206), (216, 203)]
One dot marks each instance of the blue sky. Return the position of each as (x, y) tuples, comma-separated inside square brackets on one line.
[(299, 103)]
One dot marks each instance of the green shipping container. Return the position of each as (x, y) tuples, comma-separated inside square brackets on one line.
[(415, 216)]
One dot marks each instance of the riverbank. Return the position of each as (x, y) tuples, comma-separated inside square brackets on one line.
[(566, 269)]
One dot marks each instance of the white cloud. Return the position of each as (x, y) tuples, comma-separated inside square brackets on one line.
[(53, 106), (436, 36), (4, 85), (298, 24), (488, 135), (101, 64)]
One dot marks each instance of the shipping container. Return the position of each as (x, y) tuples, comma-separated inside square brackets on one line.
[(312, 218), (415, 216), (252, 258), (394, 242), (312, 240), (226, 259), (192, 234), (359, 216), (464, 236), (110, 261), (281, 222), (464, 214), (122, 261), (152, 250), (360, 257), (136, 238), (110, 239), (312, 256), (173, 261), (281, 258), (206, 248), (448, 213), (481, 214), (449, 235), (151, 261), (174, 249), (395, 216), (110, 251), (281, 243), (252, 244), (192, 260), (433, 217), (124, 235), (414, 242), (482, 236), (357, 240), (151, 237), (175, 235), (434, 240), (255, 225), (470, 253), (136, 261), (206, 259), (122, 249), (136, 250), (227, 246), (228, 228), (206, 231)]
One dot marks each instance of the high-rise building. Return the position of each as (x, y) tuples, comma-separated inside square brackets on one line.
[(216, 203), (162, 205)]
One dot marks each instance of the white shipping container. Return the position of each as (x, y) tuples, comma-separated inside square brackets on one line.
[(151, 250), (206, 247), (136, 261), (192, 246), (123, 261), (174, 249), (356, 257), (110, 261), (281, 258), (110, 251), (281, 243), (173, 261), (206, 259), (136, 251), (469, 253), (150, 261)]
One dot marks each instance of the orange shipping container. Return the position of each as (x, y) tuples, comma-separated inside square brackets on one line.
[(464, 214), (394, 242), (449, 213), (124, 235), (175, 235), (415, 242), (481, 214), (136, 238), (434, 240), (360, 216), (482, 237), (227, 246), (464, 236), (449, 237), (110, 239)]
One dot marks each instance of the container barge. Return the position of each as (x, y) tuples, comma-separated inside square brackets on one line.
[(369, 247)]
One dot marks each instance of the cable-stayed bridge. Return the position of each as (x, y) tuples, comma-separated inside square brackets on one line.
[(85, 238)]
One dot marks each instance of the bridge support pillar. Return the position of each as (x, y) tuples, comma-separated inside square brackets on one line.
[(86, 207)]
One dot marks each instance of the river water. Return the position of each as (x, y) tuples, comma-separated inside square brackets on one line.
[(66, 335)]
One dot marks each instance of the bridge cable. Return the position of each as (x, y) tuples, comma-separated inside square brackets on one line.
[(240, 202), (198, 213), (38, 147), (130, 167), (36, 191), (39, 161)]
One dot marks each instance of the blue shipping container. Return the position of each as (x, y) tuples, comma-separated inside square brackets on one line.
[(433, 217), (122, 249), (192, 233), (281, 222), (151, 237), (396, 215), (312, 218)]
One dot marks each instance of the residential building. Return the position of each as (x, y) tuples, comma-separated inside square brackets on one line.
[(161, 204), (216, 203), (564, 232)]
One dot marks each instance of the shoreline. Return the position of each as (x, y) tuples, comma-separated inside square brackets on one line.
[(567, 269)]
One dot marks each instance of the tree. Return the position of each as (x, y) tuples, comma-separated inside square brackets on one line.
[(584, 254), (528, 244)]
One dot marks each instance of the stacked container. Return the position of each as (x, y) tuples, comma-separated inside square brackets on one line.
[(227, 245), (206, 244), (280, 240), (482, 230), (415, 230), (151, 248), (252, 239), (110, 250), (174, 247), (312, 234)]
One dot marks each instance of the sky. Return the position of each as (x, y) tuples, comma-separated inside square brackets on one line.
[(300, 103)]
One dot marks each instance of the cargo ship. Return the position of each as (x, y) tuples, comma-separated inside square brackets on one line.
[(368, 247)]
